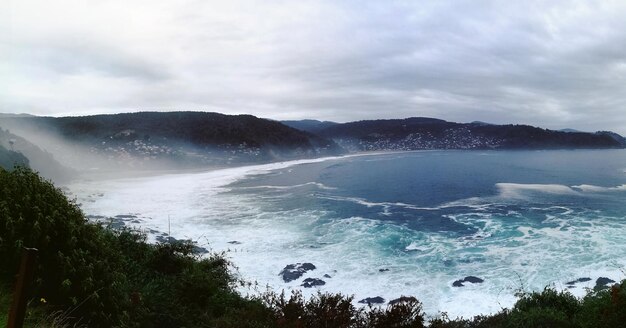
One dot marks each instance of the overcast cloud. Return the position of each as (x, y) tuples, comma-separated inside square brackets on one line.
[(554, 64)]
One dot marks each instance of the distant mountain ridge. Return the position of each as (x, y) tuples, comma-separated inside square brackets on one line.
[(185, 138), (430, 133), (10, 115), (312, 126), (570, 130), (155, 140)]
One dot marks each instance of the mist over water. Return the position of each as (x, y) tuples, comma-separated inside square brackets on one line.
[(398, 224)]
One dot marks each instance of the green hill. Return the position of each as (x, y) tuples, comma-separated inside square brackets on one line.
[(9, 159), (182, 138), (429, 133)]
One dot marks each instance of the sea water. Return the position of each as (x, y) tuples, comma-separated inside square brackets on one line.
[(398, 224)]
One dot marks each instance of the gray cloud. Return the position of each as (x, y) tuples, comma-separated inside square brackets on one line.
[(557, 64), (75, 55)]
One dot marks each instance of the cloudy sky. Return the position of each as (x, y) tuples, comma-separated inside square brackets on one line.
[(554, 64)]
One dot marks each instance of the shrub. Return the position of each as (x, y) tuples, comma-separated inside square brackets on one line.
[(76, 264), (606, 308), (548, 308), (106, 278), (405, 314), (337, 310)]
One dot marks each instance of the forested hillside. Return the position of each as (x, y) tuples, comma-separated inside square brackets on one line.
[(429, 133), (15, 150), (182, 138)]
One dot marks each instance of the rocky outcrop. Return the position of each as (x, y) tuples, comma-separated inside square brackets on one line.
[(602, 283), (470, 279), (294, 271), (312, 282), (372, 300), (403, 299)]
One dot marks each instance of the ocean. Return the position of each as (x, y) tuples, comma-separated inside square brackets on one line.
[(393, 224)]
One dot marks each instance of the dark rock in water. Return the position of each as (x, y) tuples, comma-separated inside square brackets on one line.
[(470, 279), (372, 300), (311, 282), (402, 299), (458, 283), (473, 280), (577, 281), (327, 276), (383, 270), (294, 271), (602, 282), (307, 266), (234, 242)]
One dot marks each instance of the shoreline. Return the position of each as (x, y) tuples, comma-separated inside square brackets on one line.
[(215, 230), (105, 175)]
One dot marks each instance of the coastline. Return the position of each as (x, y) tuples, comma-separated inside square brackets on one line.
[(103, 175), (211, 225)]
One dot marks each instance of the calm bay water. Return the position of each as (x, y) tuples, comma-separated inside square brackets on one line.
[(400, 224)]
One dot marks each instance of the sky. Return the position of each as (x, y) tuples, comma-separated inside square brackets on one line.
[(555, 64)]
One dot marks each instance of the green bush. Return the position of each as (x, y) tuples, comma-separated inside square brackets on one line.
[(405, 314), (109, 278), (322, 310), (336, 310), (78, 265), (606, 308), (546, 309), (550, 308)]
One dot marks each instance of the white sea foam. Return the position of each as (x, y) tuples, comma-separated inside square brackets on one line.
[(508, 256), (384, 205), (315, 184), (517, 190), (414, 246), (592, 188)]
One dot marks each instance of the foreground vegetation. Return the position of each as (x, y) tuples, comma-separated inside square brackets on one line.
[(98, 277)]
